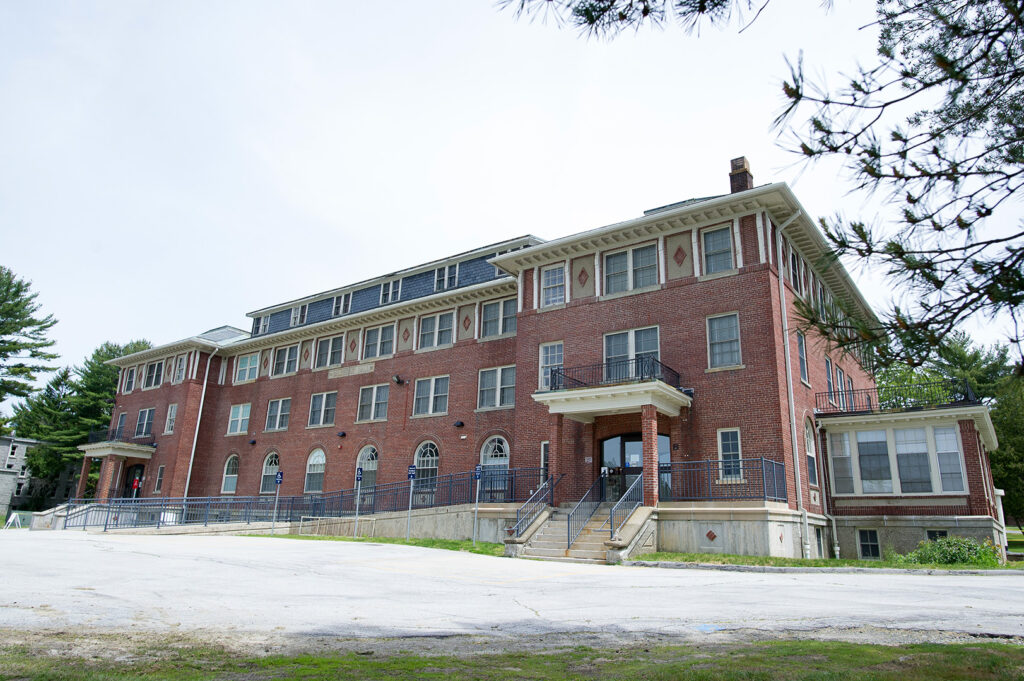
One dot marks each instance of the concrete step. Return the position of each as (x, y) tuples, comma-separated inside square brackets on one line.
[(567, 559), (535, 552), (592, 555)]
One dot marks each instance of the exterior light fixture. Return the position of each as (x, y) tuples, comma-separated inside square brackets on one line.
[(459, 424), (397, 379), (252, 442), (341, 433)]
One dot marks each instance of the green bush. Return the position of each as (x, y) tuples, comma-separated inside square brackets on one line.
[(952, 550)]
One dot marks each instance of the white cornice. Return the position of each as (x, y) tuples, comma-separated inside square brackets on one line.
[(585, 404), (978, 413)]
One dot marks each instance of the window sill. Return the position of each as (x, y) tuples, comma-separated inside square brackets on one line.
[(284, 375), (236, 434), (358, 421), (733, 367), (152, 387), (427, 416), (551, 308), (503, 407), (246, 381), (328, 367), (167, 432), (805, 383), (731, 481), (630, 292), (227, 494), (375, 358), (320, 425), (500, 336), (432, 348), (143, 436), (718, 275), (276, 430)]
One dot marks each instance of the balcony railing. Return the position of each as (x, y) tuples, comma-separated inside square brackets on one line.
[(613, 372), (896, 398), (120, 435), (722, 480)]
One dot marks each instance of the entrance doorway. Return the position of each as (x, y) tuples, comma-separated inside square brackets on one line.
[(131, 475), (623, 456)]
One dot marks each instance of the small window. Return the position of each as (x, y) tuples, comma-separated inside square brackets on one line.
[(812, 459), (321, 408), (342, 305), (286, 360), (446, 277), (379, 342), (316, 464), (436, 330), (801, 353), (330, 351), (729, 455), (239, 419), (119, 428), (179, 369), (373, 403), (230, 482), (840, 381), (869, 548), (717, 250), (129, 380), (551, 357), (631, 269), (552, 286), (390, 292), (935, 535), (794, 270), (427, 460), (262, 324), (278, 413), (144, 426), (154, 374), (545, 450), (948, 453), (172, 416), (431, 396), (498, 318), (159, 480), (873, 457), (247, 367), (724, 341), (828, 381), (497, 388), (299, 315), (268, 481)]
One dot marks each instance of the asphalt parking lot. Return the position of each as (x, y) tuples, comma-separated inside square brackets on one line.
[(61, 580)]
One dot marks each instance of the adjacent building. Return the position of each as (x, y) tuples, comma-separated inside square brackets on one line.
[(668, 345)]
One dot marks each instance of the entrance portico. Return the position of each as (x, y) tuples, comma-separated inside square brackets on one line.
[(122, 462)]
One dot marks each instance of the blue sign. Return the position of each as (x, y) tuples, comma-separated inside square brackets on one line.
[(278, 478), (477, 471), (412, 472), (359, 474)]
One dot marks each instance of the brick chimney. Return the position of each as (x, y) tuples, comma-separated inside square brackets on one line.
[(740, 179)]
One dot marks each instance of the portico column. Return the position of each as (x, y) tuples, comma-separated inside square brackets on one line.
[(649, 428), (83, 477), (109, 472), (555, 464)]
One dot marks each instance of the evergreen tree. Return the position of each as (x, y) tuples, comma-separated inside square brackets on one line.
[(96, 384), (23, 340), (48, 416), (1008, 460)]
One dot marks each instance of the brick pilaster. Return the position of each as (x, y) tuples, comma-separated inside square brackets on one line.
[(83, 477), (649, 428), (556, 466)]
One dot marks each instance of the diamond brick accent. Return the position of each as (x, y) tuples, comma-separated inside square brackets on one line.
[(405, 336), (711, 535), (352, 346), (465, 322), (583, 277), (679, 256)]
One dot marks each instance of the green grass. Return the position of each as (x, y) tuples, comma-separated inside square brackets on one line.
[(482, 547), (780, 660), (1015, 540), (732, 559)]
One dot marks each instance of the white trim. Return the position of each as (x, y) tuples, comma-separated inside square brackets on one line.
[(707, 338), (540, 362), (248, 415), (739, 443), (536, 289), (662, 267), (696, 255), (759, 228), (597, 274), (568, 281), (565, 282), (519, 291), (738, 244), (499, 373), (476, 322)]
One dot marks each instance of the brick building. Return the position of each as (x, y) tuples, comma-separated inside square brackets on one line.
[(666, 343)]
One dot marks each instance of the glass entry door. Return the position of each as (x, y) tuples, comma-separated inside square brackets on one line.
[(623, 456)]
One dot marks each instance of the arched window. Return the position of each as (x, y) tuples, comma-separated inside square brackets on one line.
[(494, 463), (315, 465), (494, 453), (270, 467), (230, 483), (812, 460), (368, 462), (427, 458)]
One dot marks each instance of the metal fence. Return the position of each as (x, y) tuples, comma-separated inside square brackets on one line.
[(641, 368), (896, 397), (723, 480), (507, 485)]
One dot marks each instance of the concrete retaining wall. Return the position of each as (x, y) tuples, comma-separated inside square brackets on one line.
[(901, 534), (450, 522), (768, 529)]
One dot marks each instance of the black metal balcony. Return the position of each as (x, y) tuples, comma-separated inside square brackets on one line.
[(896, 398), (617, 371), (120, 435)]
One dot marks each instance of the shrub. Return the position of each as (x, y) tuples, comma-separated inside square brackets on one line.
[(953, 551)]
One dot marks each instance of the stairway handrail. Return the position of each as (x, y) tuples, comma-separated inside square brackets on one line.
[(585, 512), (632, 498), (532, 507)]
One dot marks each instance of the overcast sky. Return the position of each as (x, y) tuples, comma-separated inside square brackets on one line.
[(167, 167)]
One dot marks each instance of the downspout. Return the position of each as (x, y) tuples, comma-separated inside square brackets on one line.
[(823, 458), (804, 527), (199, 420)]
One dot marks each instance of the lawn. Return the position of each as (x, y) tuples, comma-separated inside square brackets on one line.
[(1015, 541), (796, 660), (732, 559), (482, 547)]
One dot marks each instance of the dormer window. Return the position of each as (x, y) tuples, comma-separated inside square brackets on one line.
[(390, 292), (342, 304), (446, 277), (261, 324), (299, 315)]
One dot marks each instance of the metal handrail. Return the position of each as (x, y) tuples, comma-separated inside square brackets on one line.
[(643, 368), (626, 504), (723, 480), (896, 397), (528, 512), (585, 509)]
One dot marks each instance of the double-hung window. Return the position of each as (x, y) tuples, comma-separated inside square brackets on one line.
[(179, 369), (830, 386), (373, 403), (842, 463), (912, 460), (948, 454), (631, 269), (840, 382), (498, 318), (552, 286), (158, 487), (551, 357), (172, 416), (247, 367), (154, 374), (431, 396), (724, 341), (238, 421), (801, 353), (379, 342), (330, 351), (729, 455), (795, 270), (299, 315), (436, 330), (717, 250), (262, 324), (286, 360), (497, 388), (129, 380), (119, 428), (812, 460), (873, 457), (390, 291), (321, 408), (278, 412), (446, 277), (342, 304), (144, 426), (628, 354)]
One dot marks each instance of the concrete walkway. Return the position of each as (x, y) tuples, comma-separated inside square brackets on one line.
[(301, 588)]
